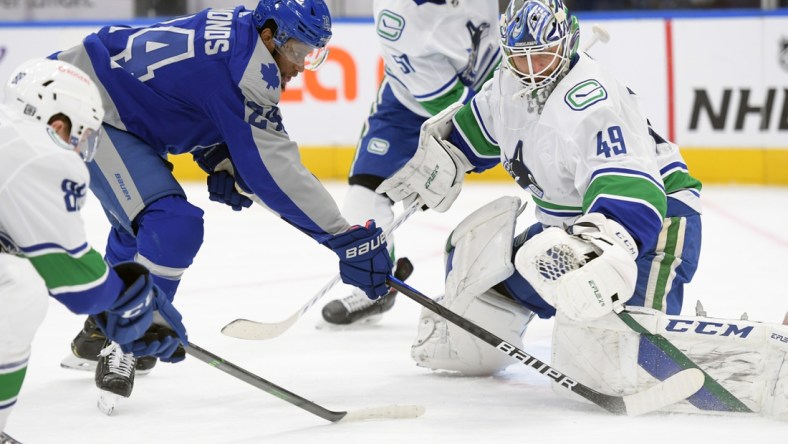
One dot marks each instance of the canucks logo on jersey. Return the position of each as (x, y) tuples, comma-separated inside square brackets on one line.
[(520, 173)]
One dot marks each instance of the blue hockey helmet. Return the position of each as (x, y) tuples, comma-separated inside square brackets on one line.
[(306, 21), (544, 29)]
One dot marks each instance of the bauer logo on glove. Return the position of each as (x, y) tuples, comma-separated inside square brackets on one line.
[(366, 247)]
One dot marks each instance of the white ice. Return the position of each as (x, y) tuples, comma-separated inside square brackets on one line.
[(255, 266)]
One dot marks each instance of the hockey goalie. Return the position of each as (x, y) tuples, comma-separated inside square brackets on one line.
[(618, 231), (597, 339)]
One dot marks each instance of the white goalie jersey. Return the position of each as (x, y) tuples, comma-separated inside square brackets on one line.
[(437, 51), (590, 148)]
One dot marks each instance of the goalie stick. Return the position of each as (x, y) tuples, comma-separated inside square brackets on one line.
[(385, 412), (673, 389), (254, 330)]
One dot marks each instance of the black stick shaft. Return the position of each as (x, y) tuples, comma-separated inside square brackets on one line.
[(264, 385)]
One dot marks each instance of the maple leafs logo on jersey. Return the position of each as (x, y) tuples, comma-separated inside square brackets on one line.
[(520, 173), (270, 75)]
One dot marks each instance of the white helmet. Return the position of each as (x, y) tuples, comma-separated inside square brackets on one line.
[(41, 88)]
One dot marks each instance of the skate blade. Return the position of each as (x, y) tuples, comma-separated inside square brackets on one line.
[(107, 401), (72, 362), (366, 323), (75, 363)]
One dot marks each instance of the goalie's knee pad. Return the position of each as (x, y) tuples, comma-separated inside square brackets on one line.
[(440, 345), (746, 362), (23, 304), (479, 256)]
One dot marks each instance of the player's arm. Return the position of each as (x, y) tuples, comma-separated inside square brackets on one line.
[(269, 165)]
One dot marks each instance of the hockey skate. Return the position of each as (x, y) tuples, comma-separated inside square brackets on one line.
[(86, 347), (357, 309), (5, 439), (114, 376)]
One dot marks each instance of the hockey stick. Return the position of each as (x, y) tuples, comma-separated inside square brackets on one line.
[(253, 330), (673, 389), (387, 412)]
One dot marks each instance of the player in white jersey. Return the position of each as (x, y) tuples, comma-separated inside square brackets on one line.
[(619, 222), (436, 53), (50, 123)]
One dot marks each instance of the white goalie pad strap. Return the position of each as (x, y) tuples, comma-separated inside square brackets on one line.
[(584, 277), (481, 250), (748, 359), (440, 345), (435, 172)]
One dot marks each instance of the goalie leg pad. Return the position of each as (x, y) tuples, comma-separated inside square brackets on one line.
[(440, 345), (479, 250), (746, 361), (478, 257)]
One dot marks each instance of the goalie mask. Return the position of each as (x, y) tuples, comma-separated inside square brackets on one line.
[(303, 28), (538, 39), (40, 89)]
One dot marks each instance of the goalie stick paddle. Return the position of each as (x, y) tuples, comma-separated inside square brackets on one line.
[(254, 330), (673, 389), (385, 412)]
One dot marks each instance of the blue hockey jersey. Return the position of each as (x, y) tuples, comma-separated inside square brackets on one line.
[(196, 81)]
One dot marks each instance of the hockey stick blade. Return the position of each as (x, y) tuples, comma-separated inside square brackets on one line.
[(386, 412), (253, 330), (257, 331), (673, 389)]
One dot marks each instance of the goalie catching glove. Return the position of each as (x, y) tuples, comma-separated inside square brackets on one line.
[(435, 172), (143, 320), (364, 260), (586, 274)]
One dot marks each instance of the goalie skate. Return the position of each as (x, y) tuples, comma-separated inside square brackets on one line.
[(114, 376), (86, 347), (357, 309)]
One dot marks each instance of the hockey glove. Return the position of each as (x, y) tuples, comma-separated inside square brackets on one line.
[(221, 188), (131, 317), (364, 261)]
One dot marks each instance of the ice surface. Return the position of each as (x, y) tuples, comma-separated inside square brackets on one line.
[(255, 266)]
